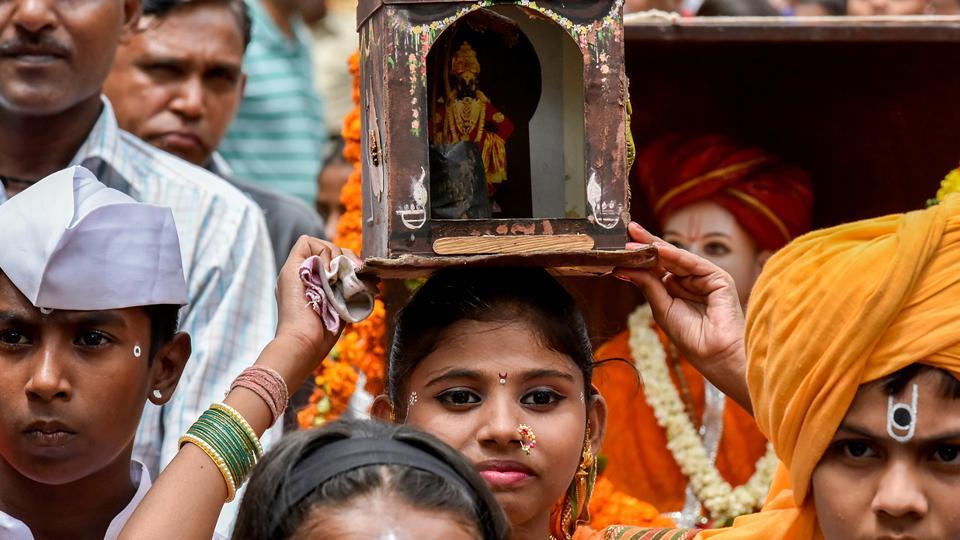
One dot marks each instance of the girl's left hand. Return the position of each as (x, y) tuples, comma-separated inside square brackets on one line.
[(297, 321)]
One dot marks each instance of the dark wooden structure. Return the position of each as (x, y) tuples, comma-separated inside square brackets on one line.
[(582, 109), (869, 106)]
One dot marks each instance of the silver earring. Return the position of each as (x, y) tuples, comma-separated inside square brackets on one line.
[(137, 351), (412, 399), (157, 394), (902, 418), (581, 397)]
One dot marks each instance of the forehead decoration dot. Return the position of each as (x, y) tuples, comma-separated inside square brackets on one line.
[(902, 417)]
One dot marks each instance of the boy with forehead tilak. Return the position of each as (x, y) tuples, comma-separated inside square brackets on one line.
[(91, 283)]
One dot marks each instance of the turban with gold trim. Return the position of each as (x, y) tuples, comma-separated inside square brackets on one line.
[(834, 310), (769, 199)]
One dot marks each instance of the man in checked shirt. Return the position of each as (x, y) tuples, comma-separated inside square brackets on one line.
[(54, 58)]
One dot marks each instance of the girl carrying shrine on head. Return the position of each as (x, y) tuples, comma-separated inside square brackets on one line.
[(533, 436)]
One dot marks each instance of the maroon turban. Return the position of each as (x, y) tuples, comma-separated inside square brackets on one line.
[(770, 200)]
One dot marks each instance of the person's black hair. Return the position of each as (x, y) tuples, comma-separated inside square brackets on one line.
[(737, 8), (272, 509), (894, 383), (486, 295), (164, 319), (162, 8)]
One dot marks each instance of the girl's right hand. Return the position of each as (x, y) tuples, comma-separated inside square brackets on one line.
[(696, 304)]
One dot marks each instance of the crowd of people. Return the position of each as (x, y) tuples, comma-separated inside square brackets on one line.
[(169, 189)]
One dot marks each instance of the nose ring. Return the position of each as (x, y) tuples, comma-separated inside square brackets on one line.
[(528, 439)]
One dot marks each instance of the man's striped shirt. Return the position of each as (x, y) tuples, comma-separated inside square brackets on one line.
[(278, 135)]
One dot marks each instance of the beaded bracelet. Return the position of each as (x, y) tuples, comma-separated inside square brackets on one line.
[(268, 384), (229, 441)]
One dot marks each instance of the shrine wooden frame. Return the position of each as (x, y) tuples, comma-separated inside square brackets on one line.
[(395, 38)]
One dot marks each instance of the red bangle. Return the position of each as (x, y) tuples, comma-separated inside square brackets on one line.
[(266, 383)]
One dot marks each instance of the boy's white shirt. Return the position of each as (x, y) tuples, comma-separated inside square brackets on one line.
[(14, 529)]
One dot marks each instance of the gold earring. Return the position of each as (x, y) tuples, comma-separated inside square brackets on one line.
[(575, 509)]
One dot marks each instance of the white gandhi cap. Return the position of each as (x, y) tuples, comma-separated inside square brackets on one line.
[(72, 243)]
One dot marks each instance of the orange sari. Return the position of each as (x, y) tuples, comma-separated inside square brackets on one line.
[(639, 462)]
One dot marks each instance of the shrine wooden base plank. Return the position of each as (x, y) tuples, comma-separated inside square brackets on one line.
[(581, 263), (489, 245)]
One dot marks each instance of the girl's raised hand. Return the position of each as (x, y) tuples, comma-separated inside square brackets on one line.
[(299, 323), (696, 304)]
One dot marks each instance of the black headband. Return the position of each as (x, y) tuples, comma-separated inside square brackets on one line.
[(348, 454)]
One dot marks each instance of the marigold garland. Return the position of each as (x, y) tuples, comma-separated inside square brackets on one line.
[(361, 348)]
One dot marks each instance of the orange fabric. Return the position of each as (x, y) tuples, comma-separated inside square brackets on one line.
[(772, 201), (610, 506), (833, 310), (639, 462)]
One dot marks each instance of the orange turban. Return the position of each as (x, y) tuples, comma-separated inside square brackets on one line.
[(772, 201), (833, 310)]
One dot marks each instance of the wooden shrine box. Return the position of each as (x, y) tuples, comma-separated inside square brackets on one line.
[(868, 106), (493, 132)]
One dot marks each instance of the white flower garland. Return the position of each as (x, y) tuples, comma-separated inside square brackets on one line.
[(719, 498)]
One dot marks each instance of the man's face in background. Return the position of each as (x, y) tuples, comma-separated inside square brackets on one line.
[(177, 81)]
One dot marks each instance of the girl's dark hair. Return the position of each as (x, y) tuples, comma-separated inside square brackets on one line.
[(486, 295), (273, 509)]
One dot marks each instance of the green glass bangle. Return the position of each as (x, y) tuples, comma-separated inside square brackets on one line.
[(229, 445), (246, 432), (237, 432), (215, 439), (215, 443)]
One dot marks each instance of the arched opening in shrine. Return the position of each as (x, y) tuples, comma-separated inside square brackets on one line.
[(506, 118)]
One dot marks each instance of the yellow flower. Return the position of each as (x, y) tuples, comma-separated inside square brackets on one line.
[(950, 184)]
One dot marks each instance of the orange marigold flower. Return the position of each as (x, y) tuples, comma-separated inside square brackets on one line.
[(611, 507), (362, 346)]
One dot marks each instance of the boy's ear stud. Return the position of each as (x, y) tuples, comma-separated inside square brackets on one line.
[(157, 394), (137, 351)]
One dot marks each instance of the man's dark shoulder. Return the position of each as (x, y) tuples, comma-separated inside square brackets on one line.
[(287, 217), (282, 208)]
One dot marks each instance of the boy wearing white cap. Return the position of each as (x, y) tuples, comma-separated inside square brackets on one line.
[(89, 296)]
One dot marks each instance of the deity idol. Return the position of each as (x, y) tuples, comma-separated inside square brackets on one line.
[(677, 441), (465, 114)]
